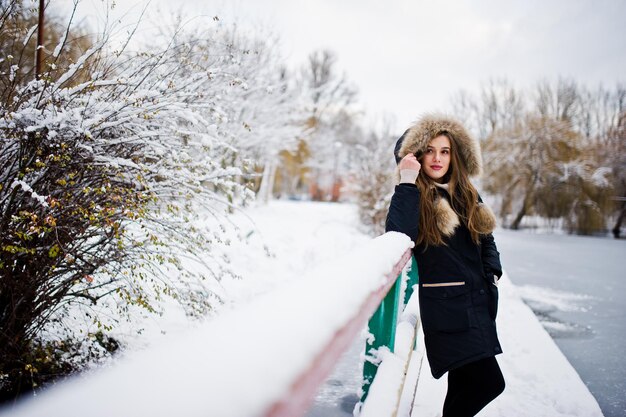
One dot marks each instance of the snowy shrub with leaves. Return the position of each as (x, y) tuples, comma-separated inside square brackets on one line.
[(118, 173)]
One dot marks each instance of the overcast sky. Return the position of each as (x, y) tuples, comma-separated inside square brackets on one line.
[(408, 57)]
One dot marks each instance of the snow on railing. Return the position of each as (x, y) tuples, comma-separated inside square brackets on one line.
[(266, 358), (390, 380)]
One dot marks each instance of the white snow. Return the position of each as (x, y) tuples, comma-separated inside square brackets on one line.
[(29, 34), (393, 381), (546, 299), (600, 177), (305, 268), (27, 188), (386, 386), (57, 50)]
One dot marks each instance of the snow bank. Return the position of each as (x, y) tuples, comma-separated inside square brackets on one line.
[(239, 363)]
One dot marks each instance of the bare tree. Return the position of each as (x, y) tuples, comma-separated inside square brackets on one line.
[(550, 152), (560, 101), (18, 43), (331, 117), (524, 159), (615, 152), (501, 107)]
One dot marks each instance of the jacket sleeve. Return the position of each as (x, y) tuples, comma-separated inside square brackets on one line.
[(490, 255), (404, 211)]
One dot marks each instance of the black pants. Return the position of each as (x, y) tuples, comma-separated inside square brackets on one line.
[(471, 387)]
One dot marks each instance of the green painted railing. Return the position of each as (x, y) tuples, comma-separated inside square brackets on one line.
[(382, 325)]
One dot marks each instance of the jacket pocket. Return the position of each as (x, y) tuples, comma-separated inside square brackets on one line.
[(445, 307)]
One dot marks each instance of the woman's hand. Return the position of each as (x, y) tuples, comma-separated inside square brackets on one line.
[(409, 169), (410, 162)]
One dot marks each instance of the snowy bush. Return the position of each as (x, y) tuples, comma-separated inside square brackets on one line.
[(373, 171), (115, 189), (263, 106)]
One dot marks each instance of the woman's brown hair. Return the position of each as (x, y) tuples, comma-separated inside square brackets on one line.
[(463, 198)]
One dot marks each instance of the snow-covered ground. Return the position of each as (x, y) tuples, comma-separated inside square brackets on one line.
[(271, 245), (301, 236)]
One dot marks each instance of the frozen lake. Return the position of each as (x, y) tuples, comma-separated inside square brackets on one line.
[(577, 287)]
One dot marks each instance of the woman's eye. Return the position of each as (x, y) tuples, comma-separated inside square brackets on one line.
[(429, 151), (446, 151)]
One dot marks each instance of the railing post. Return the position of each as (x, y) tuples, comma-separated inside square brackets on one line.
[(413, 280), (382, 325)]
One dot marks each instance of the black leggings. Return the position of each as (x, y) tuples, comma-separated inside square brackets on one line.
[(471, 387)]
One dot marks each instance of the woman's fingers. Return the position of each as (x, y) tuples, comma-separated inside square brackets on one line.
[(410, 162)]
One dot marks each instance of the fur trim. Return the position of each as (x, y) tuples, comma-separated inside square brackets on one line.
[(447, 220), (485, 221), (417, 137)]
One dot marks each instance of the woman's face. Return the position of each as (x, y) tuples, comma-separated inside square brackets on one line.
[(436, 160)]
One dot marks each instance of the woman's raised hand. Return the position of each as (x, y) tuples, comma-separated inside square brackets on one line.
[(410, 162)]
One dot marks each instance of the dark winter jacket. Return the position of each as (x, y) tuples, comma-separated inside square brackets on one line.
[(457, 295)]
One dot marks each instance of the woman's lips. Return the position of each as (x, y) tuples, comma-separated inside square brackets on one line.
[(436, 167)]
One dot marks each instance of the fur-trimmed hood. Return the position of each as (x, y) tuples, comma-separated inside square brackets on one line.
[(417, 137)]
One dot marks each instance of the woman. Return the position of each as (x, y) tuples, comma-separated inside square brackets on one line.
[(458, 262)]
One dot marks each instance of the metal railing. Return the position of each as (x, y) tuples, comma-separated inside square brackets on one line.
[(397, 313)]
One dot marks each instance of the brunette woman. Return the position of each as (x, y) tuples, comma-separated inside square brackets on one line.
[(437, 206)]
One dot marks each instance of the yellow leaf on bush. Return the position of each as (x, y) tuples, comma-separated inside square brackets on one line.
[(53, 252)]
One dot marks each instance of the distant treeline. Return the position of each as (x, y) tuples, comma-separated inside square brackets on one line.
[(556, 151)]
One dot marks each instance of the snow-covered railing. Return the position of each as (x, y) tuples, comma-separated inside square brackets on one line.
[(390, 350), (266, 358)]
